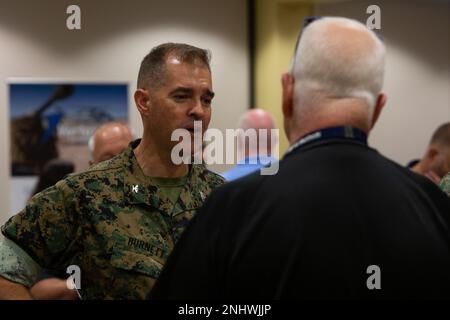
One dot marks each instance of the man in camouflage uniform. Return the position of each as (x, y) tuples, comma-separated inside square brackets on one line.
[(119, 220), (445, 184)]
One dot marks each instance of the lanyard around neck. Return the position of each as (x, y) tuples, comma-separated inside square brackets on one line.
[(343, 132)]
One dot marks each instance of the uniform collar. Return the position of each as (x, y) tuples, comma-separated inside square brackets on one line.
[(140, 189)]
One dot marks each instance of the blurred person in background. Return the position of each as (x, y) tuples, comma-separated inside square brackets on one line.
[(255, 155), (435, 163), (54, 170), (109, 140)]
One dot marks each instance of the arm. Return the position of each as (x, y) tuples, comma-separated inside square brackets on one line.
[(17, 271), (53, 289), (13, 291), (44, 234)]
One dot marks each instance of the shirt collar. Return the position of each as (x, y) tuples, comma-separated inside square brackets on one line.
[(139, 189)]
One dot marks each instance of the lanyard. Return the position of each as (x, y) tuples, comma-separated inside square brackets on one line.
[(346, 132)]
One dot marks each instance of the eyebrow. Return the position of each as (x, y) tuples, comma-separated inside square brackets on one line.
[(208, 92)]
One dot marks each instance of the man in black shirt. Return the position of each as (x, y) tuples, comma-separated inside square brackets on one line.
[(339, 220)]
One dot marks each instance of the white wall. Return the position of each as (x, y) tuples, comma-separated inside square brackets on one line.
[(417, 79), (115, 36)]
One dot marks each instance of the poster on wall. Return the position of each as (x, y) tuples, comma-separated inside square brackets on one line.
[(50, 126)]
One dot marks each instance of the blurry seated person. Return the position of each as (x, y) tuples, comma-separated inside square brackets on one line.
[(436, 161), (53, 171)]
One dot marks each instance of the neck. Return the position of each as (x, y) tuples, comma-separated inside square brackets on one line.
[(331, 113), (419, 167), (157, 163)]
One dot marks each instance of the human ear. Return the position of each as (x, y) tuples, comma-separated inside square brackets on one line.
[(142, 100), (381, 101)]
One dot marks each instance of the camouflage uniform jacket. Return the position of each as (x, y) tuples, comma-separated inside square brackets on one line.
[(112, 223), (445, 184)]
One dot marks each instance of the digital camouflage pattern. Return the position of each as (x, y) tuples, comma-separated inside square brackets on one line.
[(445, 184), (112, 222)]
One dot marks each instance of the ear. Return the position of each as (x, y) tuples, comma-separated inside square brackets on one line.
[(381, 101), (432, 152), (287, 83), (142, 100)]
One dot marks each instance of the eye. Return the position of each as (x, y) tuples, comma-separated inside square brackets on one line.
[(207, 101), (181, 97)]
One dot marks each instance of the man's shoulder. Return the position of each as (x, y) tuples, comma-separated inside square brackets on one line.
[(104, 173), (244, 187), (103, 168)]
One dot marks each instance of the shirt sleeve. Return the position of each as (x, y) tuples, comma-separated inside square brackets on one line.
[(47, 229), (16, 265), (445, 184)]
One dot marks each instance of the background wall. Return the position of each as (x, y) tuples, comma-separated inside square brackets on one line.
[(277, 23), (115, 36)]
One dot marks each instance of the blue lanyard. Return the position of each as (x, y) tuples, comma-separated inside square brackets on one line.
[(345, 132)]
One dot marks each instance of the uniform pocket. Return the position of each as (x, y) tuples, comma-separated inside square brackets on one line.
[(131, 261)]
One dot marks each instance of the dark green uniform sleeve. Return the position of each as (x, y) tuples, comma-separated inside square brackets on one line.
[(445, 184), (48, 228)]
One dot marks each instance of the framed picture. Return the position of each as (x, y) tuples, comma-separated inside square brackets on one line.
[(52, 121)]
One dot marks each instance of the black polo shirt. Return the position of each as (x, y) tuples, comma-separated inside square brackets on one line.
[(335, 209)]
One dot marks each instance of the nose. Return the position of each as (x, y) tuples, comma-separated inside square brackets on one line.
[(197, 111)]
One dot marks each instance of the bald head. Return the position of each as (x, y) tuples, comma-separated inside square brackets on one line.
[(337, 72), (109, 140), (257, 119), (340, 57)]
